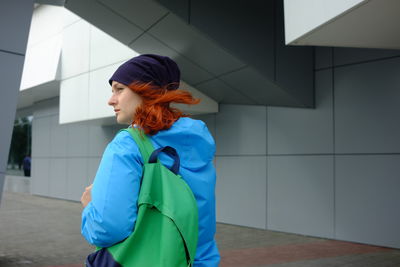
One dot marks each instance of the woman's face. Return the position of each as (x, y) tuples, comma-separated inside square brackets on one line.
[(124, 101)]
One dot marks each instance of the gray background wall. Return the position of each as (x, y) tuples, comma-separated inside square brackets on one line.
[(64, 157), (332, 171)]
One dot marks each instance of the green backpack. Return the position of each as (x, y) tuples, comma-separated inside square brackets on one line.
[(166, 229)]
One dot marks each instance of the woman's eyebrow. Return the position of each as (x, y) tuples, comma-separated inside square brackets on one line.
[(114, 86)]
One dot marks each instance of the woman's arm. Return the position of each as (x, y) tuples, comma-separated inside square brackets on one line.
[(111, 214)]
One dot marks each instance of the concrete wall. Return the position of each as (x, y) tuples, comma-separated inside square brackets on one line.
[(64, 157), (15, 18), (330, 172), (273, 74), (89, 58)]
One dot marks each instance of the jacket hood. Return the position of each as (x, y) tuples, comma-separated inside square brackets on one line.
[(191, 139)]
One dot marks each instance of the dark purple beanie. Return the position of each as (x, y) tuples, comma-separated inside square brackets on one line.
[(146, 68)]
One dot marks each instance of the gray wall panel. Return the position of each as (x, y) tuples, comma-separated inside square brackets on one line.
[(243, 22), (41, 137), (46, 108), (241, 130), (15, 20), (194, 45), (78, 140), (40, 176), (178, 7), (222, 93), (344, 56), (58, 137), (93, 165), (241, 190), (77, 179), (323, 57), (58, 178), (304, 131), (105, 19), (367, 98), (368, 199), (300, 195), (144, 17), (99, 137), (257, 88), (190, 72)]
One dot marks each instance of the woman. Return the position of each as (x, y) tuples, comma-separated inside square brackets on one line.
[(142, 90)]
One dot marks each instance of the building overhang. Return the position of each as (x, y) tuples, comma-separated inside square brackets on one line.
[(149, 27), (50, 2), (47, 90), (343, 23)]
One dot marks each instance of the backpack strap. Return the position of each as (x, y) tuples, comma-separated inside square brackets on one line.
[(149, 154), (170, 151), (143, 142)]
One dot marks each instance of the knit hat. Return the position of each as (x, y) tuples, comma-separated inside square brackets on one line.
[(156, 69)]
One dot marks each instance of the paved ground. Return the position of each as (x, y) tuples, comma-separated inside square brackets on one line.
[(15, 172), (44, 232)]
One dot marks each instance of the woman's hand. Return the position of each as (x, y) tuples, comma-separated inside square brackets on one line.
[(87, 196)]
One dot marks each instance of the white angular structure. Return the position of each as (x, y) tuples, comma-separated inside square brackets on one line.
[(74, 59), (346, 23)]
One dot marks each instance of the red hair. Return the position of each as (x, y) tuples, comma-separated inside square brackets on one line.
[(155, 113)]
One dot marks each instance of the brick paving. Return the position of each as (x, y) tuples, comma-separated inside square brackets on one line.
[(43, 232)]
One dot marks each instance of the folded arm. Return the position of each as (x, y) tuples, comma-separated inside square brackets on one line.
[(111, 214)]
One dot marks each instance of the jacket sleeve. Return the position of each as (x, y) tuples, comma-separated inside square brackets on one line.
[(111, 215)]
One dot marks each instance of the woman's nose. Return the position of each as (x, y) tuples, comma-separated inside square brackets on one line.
[(112, 100)]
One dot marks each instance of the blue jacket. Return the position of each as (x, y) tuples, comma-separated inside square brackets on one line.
[(111, 215)]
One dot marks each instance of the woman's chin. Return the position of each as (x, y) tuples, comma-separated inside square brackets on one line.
[(123, 122)]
